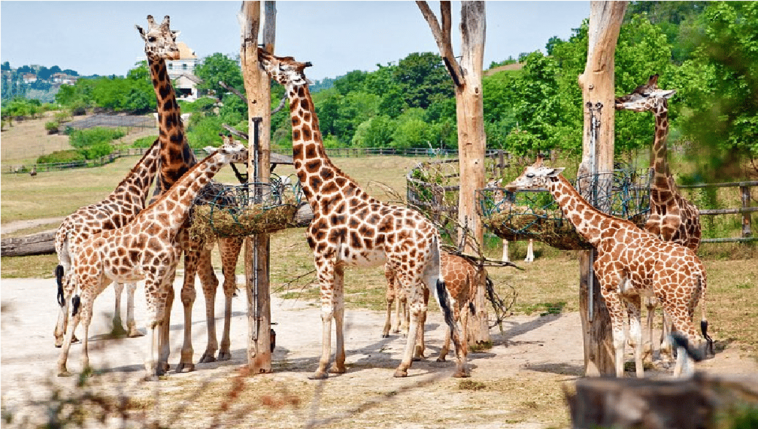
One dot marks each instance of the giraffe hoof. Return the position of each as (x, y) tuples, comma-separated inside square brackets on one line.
[(401, 373), (207, 358), (461, 374), (383, 336), (64, 373), (441, 359), (135, 333), (318, 376), (337, 370), (183, 367), (224, 356)]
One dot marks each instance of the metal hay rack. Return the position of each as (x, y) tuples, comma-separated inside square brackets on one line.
[(521, 215)]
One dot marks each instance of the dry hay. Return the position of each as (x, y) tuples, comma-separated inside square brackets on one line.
[(210, 221), (556, 232)]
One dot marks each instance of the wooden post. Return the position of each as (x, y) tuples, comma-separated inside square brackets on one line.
[(472, 141), (597, 84), (257, 89), (745, 196)]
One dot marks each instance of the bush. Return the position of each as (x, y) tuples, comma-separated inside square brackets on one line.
[(82, 139), (144, 142), (61, 156), (78, 108), (97, 150), (52, 127), (62, 116)]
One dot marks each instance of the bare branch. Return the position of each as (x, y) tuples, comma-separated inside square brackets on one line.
[(234, 91), (443, 39), (234, 131), (281, 104)]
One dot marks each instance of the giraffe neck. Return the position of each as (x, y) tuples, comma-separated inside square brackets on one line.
[(175, 203), (176, 156), (321, 180), (136, 185), (660, 163), (585, 218)]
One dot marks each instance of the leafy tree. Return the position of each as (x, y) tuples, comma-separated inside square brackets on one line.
[(351, 82), (423, 79), (375, 132), (5, 66), (219, 67)]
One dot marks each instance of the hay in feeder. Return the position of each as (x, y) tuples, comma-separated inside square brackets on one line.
[(556, 232), (209, 220)]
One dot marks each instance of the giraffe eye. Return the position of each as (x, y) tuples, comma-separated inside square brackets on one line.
[(151, 39), (530, 175)]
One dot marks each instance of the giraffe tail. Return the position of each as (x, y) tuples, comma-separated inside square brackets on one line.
[(440, 291), (709, 349), (59, 279)]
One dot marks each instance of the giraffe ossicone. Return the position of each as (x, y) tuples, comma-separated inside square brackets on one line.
[(350, 228), (631, 263)]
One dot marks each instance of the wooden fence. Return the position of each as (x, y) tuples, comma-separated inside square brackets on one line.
[(745, 210)]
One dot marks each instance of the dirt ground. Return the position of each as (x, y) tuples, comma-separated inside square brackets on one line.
[(518, 383)]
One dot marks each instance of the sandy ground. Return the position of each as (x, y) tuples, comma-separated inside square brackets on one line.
[(532, 351)]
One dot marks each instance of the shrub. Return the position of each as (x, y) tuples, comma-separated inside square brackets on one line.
[(52, 127), (62, 116), (61, 156), (144, 142), (81, 139), (97, 150), (78, 108)]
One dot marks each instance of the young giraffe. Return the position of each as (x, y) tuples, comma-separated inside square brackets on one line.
[(502, 204), (672, 217), (630, 263), (350, 228), (115, 211), (147, 248), (176, 159), (461, 279)]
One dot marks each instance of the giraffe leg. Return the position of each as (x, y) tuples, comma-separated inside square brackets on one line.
[(164, 345), (635, 332), (188, 295), (610, 284), (463, 315), (389, 297), (86, 319), (418, 353), (62, 323), (339, 317), (230, 250), (118, 329), (155, 291), (403, 315), (505, 258), (325, 270), (445, 347), (131, 324), (530, 252), (209, 281), (650, 303), (62, 371), (665, 347)]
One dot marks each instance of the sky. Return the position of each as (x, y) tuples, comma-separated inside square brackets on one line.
[(98, 37)]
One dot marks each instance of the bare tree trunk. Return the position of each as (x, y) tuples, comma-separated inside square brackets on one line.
[(257, 89), (472, 141), (597, 83)]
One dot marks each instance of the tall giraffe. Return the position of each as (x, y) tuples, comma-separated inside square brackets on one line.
[(631, 263), (350, 228), (672, 217), (503, 204), (176, 159), (116, 210), (147, 248)]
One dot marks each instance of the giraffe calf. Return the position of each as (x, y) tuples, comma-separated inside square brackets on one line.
[(145, 249), (461, 279)]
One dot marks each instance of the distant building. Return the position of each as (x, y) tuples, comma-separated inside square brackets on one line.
[(30, 77), (64, 79), (182, 72)]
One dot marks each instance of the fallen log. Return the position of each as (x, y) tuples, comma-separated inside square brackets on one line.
[(652, 404), (41, 243)]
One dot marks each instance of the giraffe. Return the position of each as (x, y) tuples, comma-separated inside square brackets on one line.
[(350, 228), (176, 159), (115, 211), (503, 204), (147, 248), (672, 217), (631, 263), (461, 279)]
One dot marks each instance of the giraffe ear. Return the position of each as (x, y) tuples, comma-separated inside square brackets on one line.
[(668, 93), (554, 172), (141, 31), (176, 34)]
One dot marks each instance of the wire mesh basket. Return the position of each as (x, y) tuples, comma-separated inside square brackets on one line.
[(535, 214), (240, 210)]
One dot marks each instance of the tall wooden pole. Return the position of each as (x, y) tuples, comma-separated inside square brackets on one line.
[(472, 141), (597, 83), (257, 89)]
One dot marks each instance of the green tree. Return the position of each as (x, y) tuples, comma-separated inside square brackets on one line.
[(219, 67), (423, 79)]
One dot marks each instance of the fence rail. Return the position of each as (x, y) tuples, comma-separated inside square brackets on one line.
[(745, 210)]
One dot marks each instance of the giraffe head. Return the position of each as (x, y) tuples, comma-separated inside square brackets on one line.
[(231, 151), (535, 176), (160, 41), (284, 70), (646, 98)]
